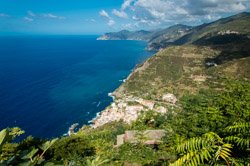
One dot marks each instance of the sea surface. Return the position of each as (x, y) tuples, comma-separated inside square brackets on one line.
[(48, 83)]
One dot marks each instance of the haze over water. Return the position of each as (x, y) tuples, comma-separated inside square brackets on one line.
[(49, 82)]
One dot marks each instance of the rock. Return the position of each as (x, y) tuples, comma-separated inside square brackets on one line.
[(134, 108), (147, 103), (161, 110), (122, 105), (113, 105), (170, 98)]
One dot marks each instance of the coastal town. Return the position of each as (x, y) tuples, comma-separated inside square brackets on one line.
[(128, 109)]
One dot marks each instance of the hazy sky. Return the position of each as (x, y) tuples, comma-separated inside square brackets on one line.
[(99, 16)]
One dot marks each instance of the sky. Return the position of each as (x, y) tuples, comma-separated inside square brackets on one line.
[(77, 17)]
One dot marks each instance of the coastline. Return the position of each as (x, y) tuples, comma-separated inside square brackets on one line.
[(113, 94), (127, 108)]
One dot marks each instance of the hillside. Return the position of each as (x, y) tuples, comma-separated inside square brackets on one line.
[(127, 35), (237, 25), (167, 36), (170, 34), (187, 69)]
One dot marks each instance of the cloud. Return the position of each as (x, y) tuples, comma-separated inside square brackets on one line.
[(103, 13), (4, 15), (111, 22), (169, 12), (90, 20), (31, 14), (126, 4), (129, 26), (52, 16), (28, 19), (159, 10), (205, 7), (120, 14)]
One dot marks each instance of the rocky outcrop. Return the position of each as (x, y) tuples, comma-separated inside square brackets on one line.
[(170, 98)]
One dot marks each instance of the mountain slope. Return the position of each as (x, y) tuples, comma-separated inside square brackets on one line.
[(170, 34), (167, 36), (238, 24), (225, 29), (127, 35)]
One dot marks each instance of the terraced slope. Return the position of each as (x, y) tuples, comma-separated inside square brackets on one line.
[(187, 69)]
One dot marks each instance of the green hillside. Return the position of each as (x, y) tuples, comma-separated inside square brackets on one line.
[(237, 25)]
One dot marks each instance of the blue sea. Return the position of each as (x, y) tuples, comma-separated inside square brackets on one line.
[(48, 83)]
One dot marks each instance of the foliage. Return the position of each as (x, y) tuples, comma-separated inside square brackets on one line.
[(96, 162), (209, 148), (13, 152), (137, 153), (213, 111), (8, 149), (9, 134), (38, 158), (149, 120), (71, 149), (240, 134)]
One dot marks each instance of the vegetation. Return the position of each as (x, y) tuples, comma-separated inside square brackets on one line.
[(211, 128), (209, 148)]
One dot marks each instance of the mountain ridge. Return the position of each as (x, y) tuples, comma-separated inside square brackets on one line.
[(181, 34)]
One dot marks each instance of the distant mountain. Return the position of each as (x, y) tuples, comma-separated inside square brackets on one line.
[(127, 35), (224, 29), (167, 36), (235, 25)]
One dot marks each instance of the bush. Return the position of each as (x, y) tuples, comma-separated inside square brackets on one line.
[(72, 148)]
